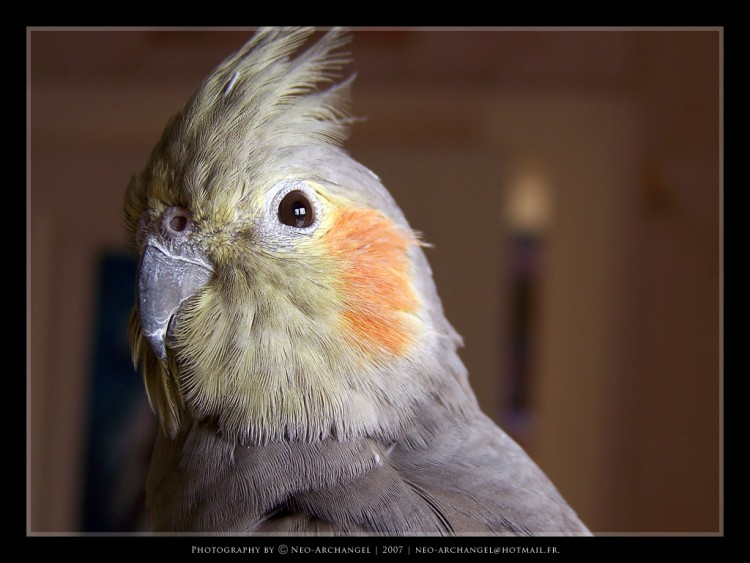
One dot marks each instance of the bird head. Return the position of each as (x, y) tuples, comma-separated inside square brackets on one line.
[(281, 293)]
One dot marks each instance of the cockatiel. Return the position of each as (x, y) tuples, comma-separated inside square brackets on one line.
[(290, 334)]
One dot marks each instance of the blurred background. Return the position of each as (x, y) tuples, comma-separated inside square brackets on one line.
[(569, 180)]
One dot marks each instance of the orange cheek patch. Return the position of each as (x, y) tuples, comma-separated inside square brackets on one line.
[(374, 272)]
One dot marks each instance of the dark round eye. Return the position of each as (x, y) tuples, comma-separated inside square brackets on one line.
[(296, 210)]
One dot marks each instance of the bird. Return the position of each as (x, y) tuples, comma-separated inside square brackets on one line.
[(289, 331)]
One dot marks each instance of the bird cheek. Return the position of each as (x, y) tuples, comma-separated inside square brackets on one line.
[(375, 280)]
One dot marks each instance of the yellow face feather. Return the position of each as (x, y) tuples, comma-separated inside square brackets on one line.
[(270, 347)]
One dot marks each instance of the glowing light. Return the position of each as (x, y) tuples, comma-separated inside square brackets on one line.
[(528, 205)]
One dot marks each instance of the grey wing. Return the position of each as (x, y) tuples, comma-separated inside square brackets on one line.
[(481, 482), (466, 479), (200, 483), (379, 501), (455, 478)]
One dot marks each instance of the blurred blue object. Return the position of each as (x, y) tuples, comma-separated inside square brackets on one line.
[(121, 425)]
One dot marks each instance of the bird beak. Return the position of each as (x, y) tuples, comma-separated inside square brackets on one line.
[(165, 280)]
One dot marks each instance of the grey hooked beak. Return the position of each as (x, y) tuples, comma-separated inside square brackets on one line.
[(165, 280)]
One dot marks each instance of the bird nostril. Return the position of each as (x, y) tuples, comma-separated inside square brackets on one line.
[(178, 223)]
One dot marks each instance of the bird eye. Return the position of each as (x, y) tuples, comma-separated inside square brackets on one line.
[(296, 210)]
